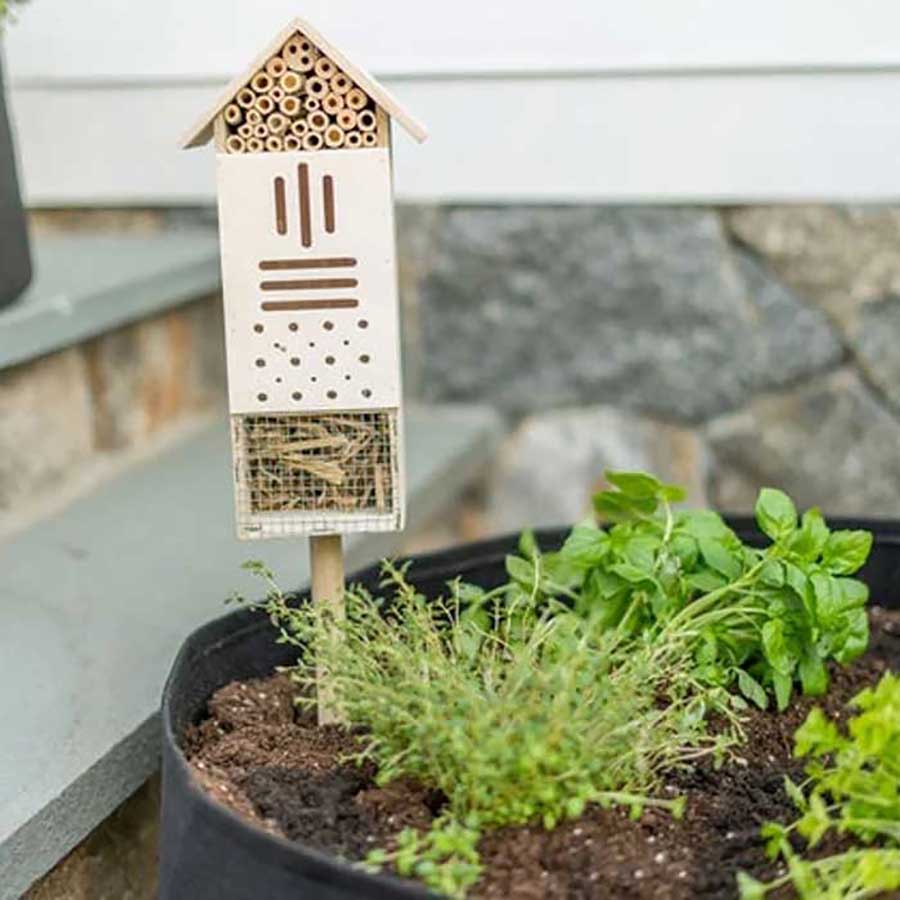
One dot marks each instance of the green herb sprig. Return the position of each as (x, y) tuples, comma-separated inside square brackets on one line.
[(760, 619), (853, 789)]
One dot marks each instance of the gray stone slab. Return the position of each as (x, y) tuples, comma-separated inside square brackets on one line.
[(96, 602), (532, 308), (87, 284)]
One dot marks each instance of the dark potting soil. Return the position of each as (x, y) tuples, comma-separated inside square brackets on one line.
[(268, 761)]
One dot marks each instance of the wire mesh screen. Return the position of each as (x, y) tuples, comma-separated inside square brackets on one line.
[(316, 472)]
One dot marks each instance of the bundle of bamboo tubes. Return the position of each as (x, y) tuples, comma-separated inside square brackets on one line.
[(299, 100), (341, 462)]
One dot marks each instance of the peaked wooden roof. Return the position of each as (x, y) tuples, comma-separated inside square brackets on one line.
[(202, 132)]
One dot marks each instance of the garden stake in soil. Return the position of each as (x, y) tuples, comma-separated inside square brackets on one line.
[(310, 295)]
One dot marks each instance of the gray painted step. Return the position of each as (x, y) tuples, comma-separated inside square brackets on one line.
[(87, 284), (96, 601)]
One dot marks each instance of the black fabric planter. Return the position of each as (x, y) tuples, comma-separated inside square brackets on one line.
[(15, 258), (206, 851)]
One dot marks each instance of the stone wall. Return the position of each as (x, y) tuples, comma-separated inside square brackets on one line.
[(723, 348), (72, 417)]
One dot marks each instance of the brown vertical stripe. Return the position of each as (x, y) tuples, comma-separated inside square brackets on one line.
[(328, 194), (303, 185), (280, 210)]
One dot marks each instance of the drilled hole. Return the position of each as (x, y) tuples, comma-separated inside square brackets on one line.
[(363, 323), (366, 393), (293, 326), (328, 326), (258, 328), (297, 395), (329, 360), (332, 395), (260, 363), (262, 397), (365, 358), (295, 360)]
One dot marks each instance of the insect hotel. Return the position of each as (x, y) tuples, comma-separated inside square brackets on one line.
[(306, 220)]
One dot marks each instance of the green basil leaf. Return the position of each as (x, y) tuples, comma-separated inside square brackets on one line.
[(585, 547), (703, 523), (673, 493), (632, 574), (783, 685), (528, 544), (856, 637), (776, 514), (846, 551), (686, 549), (776, 649), (809, 541), (705, 581), (640, 550), (752, 689), (614, 506), (638, 485), (719, 558), (813, 674), (520, 570)]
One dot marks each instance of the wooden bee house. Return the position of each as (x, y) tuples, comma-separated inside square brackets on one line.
[(306, 221)]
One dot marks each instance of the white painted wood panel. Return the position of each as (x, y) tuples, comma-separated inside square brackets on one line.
[(706, 139), (165, 39), (311, 318)]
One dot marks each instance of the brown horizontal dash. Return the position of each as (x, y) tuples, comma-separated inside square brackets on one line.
[(337, 262), (312, 284), (299, 305)]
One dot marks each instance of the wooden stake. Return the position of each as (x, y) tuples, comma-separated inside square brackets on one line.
[(327, 566)]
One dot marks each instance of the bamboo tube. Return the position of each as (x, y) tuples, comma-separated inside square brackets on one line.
[(235, 144), (245, 98), (261, 82), (291, 83), (254, 116), (277, 123), (370, 139), (333, 103), (310, 104), (233, 114), (292, 142), (245, 130), (356, 99), (346, 118), (290, 106), (334, 137), (260, 131), (274, 144), (255, 145), (325, 68), (353, 139), (312, 140), (299, 128), (316, 87), (265, 104), (298, 54), (318, 121), (340, 83), (276, 67), (366, 120), (277, 93)]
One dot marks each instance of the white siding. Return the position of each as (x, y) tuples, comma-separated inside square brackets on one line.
[(646, 100)]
